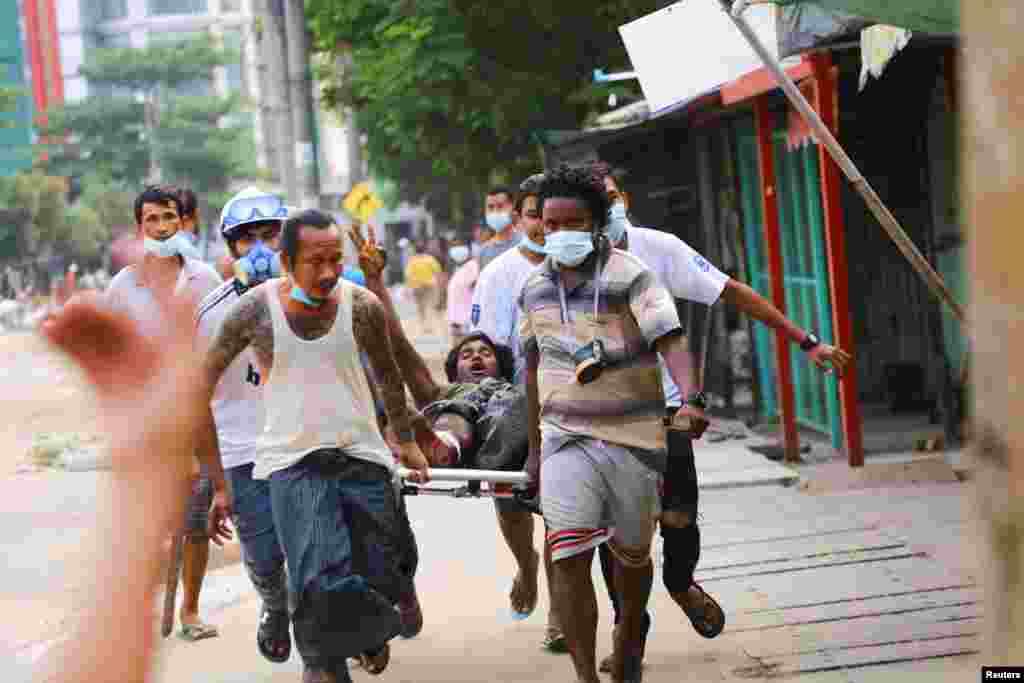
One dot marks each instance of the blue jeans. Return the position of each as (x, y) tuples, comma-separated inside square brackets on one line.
[(261, 551), (350, 551)]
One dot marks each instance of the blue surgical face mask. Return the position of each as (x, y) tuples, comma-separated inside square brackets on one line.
[(299, 294), (459, 254), (260, 264), (569, 247), (167, 248), (530, 245), (618, 223), (186, 243), (499, 221)]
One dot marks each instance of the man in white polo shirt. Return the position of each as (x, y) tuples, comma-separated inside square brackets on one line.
[(165, 270)]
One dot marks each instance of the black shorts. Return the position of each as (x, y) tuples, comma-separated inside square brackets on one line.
[(680, 481)]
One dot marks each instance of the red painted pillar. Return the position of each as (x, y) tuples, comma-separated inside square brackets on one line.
[(33, 39), (826, 102), (773, 244)]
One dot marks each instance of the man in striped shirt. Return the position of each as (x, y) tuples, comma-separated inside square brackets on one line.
[(593, 321)]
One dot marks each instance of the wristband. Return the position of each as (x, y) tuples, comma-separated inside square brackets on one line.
[(405, 435), (810, 342)]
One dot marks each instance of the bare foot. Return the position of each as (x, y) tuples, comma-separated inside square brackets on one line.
[(523, 595)]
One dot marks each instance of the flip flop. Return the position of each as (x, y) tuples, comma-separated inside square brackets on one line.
[(709, 619), (554, 641), (273, 633), (195, 632), (375, 662)]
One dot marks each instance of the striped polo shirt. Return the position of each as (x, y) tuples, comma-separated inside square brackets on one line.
[(626, 404)]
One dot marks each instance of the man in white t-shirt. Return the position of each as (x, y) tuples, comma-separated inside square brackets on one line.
[(688, 275), (494, 310), (165, 271), (496, 313), (251, 225)]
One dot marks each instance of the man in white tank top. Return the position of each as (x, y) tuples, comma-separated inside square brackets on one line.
[(337, 512)]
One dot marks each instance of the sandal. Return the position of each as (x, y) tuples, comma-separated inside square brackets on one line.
[(411, 615), (272, 636), (708, 620), (194, 632), (374, 662), (554, 641)]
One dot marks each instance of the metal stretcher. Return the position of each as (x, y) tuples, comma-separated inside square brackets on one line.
[(461, 483)]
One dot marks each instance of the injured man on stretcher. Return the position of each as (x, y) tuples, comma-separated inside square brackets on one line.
[(475, 420)]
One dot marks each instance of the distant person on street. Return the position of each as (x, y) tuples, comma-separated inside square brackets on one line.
[(460, 290), (190, 217), (499, 207), (421, 277), (338, 515), (251, 225), (137, 290)]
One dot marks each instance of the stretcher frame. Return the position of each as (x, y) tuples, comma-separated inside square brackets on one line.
[(466, 483)]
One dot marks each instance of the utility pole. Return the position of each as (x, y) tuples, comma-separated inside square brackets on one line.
[(278, 95), (346, 66), (300, 83), (993, 145)]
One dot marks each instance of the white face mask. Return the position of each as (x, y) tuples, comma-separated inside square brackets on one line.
[(167, 248), (499, 221), (569, 247), (459, 254), (618, 223)]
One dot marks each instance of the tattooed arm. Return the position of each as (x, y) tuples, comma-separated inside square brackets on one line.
[(246, 324), (368, 319), (414, 369)]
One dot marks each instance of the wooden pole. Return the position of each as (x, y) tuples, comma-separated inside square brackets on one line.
[(896, 233), (993, 145), (773, 245), (826, 97)]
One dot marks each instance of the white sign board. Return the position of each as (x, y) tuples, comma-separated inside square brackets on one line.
[(692, 47)]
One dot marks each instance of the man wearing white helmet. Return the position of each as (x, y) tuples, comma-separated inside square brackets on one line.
[(250, 225)]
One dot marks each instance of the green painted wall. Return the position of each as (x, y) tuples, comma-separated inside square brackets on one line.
[(16, 139)]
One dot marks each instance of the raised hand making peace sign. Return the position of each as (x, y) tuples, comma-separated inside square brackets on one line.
[(372, 258)]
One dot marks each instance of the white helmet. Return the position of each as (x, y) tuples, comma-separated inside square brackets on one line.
[(251, 205)]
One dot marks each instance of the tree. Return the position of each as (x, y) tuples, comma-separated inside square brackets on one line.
[(8, 104), (454, 94), (43, 227), (177, 138)]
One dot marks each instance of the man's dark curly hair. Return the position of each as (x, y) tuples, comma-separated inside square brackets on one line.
[(577, 182), (503, 354)]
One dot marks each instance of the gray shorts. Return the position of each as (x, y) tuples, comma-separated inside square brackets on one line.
[(592, 492)]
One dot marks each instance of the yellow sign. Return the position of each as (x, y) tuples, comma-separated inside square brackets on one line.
[(362, 203)]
